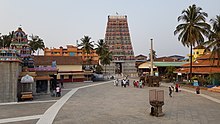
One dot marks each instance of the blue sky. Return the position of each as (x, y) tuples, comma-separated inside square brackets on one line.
[(62, 22)]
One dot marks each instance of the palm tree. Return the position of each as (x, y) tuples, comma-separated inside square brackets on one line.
[(6, 39), (36, 44), (193, 29), (106, 58), (154, 54), (86, 45), (214, 39), (101, 47)]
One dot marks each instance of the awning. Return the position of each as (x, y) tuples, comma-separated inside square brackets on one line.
[(146, 65)]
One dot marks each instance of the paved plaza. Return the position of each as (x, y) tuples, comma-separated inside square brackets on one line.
[(103, 103)]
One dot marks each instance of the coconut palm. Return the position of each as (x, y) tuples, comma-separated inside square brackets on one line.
[(106, 58), (193, 29), (154, 54), (101, 47), (86, 45), (36, 44), (6, 39), (214, 38)]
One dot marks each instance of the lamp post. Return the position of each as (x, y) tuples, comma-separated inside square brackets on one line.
[(151, 58)]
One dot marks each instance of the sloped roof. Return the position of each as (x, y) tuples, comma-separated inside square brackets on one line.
[(203, 65), (200, 70), (167, 64), (146, 65), (60, 60)]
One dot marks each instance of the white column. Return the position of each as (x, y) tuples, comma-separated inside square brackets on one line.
[(48, 86)]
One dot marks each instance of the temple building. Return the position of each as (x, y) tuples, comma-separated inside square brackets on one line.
[(20, 44), (118, 39)]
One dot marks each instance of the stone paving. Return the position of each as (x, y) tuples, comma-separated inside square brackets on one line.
[(107, 104)]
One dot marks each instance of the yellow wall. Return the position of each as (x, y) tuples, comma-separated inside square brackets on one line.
[(197, 53), (69, 67)]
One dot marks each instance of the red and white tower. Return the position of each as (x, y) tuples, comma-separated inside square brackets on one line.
[(118, 40)]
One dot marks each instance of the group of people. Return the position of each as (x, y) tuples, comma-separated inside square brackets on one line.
[(138, 84), (56, 88), (124, 82), (172, 89)]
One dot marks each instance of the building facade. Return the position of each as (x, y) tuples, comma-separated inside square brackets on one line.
[(71, 50), (118, 39)]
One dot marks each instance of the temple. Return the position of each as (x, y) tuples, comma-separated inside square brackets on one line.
[(119, 43)]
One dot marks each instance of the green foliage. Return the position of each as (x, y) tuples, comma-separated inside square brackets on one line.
[(105, 56), (193, 28), (214, 40), (86, 44), (98, 69), (36, 43), (154, 55), (5, 40)]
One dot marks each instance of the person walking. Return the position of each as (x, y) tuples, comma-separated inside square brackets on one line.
[(197, 90), (140, 84), (170, 91), (58, 91), (124, 83), (177, 87)]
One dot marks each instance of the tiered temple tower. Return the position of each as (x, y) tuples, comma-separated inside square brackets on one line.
[(20, 43), (118, 40)]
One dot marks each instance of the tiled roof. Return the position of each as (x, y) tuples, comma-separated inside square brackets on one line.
[(60, 60), (200, 70), (204, 60)]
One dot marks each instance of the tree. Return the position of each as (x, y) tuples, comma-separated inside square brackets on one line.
[(36, 44), (154, 54), (5, 40), (169, 72), (214, 39), (86, 45), (101, 47), (106, 58), (193, 29)]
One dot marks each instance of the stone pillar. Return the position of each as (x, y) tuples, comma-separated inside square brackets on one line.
[(48, 86), (34, 88)]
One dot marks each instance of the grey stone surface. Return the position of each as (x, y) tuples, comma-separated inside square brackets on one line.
[(107, 104), (19, 110), (116, 105)]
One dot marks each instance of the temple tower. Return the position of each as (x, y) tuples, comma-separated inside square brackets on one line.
[(20, 43), (118, 40)]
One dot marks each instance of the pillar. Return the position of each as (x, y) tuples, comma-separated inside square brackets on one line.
[(48, 86)]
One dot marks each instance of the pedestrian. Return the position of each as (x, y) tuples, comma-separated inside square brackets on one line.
[(140, 84), (61, 82), (177, 87), (197, 90), (116, 82), (172, 88), (127, 82), (134, 83), (58, 91), (121, 83), (124, 83), (170, 91)]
